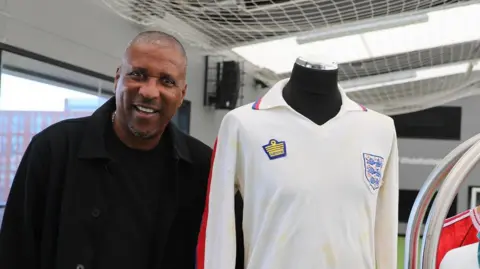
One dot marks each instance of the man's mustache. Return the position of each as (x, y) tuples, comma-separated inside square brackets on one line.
[(148, 102)]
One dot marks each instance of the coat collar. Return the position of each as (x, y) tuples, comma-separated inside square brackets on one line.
[(93, 141)]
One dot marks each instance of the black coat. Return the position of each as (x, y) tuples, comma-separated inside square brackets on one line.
[(51, 216)]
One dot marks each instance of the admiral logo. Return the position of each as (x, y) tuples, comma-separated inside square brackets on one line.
[(275, 149)]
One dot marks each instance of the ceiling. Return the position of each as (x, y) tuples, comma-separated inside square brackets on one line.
[(230, 23), (407, 61), (216, 26)]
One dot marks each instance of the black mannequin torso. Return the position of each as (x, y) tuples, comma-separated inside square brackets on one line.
[(313, 93)]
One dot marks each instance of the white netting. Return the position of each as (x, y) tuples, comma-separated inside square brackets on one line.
[(218, 26)]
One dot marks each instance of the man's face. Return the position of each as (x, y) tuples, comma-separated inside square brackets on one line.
[(149, 88)]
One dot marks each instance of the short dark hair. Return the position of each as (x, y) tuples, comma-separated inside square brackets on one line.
[(153, 37)]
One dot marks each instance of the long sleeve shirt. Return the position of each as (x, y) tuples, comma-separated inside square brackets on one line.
[(314, 196)]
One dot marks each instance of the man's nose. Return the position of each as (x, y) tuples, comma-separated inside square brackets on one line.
[(149, 88)]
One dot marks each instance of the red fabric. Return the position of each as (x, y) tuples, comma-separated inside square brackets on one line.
[(458, 231), (203, 229)]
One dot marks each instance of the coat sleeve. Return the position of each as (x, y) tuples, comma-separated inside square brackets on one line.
[(386, 223), (22, 220), (217, 241)]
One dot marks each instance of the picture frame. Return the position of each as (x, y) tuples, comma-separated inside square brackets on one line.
[(473, 196)]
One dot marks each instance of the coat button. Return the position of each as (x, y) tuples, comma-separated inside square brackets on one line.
[(95, 213), (80, 266)]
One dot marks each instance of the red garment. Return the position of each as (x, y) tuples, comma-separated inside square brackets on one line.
[(458, 231)]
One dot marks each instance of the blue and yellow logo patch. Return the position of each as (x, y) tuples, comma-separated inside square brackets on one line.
[(275, 149)]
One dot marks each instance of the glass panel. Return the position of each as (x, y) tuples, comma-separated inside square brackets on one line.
[(34, 95), (182, 117)]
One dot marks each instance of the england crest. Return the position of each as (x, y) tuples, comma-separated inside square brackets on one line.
[(373, 165)]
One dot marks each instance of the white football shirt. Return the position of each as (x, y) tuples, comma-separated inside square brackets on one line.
[(315, 197), (465, 257)]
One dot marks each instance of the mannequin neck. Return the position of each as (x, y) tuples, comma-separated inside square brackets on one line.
[(314, 81), (313, 93)]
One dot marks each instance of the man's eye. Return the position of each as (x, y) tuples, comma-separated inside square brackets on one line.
[(168, 81), (135, 74)]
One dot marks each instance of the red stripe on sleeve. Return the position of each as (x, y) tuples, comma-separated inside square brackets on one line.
[(203, 227), (456, 218)]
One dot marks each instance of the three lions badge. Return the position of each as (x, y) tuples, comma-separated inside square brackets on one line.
[(373, 165)]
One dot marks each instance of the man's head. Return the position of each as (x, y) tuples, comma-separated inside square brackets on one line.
[(150, 84)]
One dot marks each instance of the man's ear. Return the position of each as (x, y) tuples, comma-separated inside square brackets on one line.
[(117, 73), (184, 91), (117, 77)]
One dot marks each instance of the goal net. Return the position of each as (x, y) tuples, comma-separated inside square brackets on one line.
[(394, 56)]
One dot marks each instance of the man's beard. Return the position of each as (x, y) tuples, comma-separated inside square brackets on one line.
[(139, 134)]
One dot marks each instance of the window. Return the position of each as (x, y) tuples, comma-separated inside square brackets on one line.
[(34, 95), (182, 118)]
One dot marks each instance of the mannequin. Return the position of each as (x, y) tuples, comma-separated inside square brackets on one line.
[(312, 90), (465, 257), (318, 175)]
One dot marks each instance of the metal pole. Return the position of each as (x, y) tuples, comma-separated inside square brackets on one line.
[(424, 198), (442, 203)]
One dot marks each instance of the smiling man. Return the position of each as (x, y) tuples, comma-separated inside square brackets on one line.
[(150, 87), (122, 188)]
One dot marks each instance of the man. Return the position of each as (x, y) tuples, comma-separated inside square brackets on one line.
[(122, 188)]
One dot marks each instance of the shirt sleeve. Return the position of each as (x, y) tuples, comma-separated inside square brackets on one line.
[(386, 223), (217, 240)]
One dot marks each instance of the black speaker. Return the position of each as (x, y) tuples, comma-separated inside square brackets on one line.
[(228, 85)]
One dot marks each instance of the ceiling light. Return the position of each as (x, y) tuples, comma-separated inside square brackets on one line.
[(361, 27)]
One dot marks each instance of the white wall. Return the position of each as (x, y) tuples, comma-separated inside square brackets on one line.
[(79, 32), (205, 121), (86, 34), (413, 176)]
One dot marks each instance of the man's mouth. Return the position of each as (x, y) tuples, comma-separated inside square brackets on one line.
[(144, 109)]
